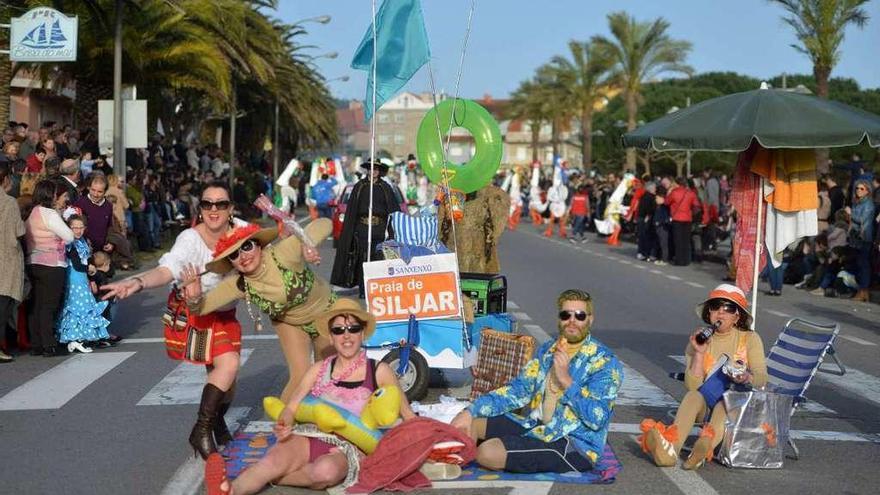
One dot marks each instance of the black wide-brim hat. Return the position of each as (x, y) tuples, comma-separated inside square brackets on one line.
[(377, 164)]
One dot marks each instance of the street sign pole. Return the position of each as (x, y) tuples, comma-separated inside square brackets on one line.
[(118, 146)]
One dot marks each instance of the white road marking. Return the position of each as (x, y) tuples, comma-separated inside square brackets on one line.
[(640, 267), (856, 340), (810, 405), (520, 316), (183, 385), (512, 305), (688, 482), (673, 277), (777, 313), (537, 332), (694, 284), (657, 272), (58, 385), (189, 476), (858, 383), (819, 436), (517, 487), (156, 340), (625, 262), (637, 390)]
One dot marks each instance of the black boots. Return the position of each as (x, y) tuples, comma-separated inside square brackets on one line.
[(221, 431), (202, 436)]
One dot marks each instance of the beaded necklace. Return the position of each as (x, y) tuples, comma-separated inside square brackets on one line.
[(319, 388)]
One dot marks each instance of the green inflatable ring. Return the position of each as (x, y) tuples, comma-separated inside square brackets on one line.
[(479, 170)]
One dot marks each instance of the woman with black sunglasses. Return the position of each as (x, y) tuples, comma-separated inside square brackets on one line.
[(195, 246), (346, 379), (726, 311), (278, 281)]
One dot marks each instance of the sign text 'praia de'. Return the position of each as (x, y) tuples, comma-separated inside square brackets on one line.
[(43, 35), (428, 288)]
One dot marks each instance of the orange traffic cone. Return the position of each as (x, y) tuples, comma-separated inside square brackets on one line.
[(614, 238)]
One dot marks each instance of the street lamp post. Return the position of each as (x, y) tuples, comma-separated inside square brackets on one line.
[(118, 145)]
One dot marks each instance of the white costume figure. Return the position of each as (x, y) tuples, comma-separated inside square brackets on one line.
[(610, 223), (537, 205), (513, 186), (423, 194), (556, 196), (289, 194)]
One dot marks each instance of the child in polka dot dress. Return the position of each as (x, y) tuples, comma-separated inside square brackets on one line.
[(80, 320)]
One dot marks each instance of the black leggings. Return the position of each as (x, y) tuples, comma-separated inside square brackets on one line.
[(48, 296), (681, 241)]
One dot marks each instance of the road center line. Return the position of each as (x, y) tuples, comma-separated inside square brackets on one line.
[(694, 284), (777, 313), (673, 277), (657, 272), (688, 482)]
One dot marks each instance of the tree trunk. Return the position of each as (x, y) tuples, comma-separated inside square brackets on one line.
[(587, 138), (85, 106), (5, 71), (554, 139), (822, 74), (632, 109), (535, 128)]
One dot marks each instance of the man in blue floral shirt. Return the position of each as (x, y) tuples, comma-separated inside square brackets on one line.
[(566, 393)]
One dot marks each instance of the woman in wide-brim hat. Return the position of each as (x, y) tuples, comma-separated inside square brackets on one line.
[(277, 280), (346, 379), (726, 308)]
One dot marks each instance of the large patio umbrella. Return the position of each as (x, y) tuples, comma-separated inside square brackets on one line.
[(775, 118), (771, 117)]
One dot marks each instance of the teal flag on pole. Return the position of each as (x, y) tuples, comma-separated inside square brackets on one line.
[(402, 48)]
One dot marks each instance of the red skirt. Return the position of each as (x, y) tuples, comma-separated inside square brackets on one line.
[(225, 336)]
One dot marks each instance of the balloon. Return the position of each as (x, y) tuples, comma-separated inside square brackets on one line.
[(479, 170)]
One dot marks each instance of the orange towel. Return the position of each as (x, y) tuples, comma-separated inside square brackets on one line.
[(792, 173)]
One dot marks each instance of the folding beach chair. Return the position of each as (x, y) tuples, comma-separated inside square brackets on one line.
[(796, 356)]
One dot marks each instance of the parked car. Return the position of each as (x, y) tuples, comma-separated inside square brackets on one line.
[(342, 200)]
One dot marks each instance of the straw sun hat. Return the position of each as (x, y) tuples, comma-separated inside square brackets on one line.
[(345, 306)]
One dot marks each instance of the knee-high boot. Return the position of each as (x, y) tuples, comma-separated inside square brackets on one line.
[(221, 432), (202, 436)]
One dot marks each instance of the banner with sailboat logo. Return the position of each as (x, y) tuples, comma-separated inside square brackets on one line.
[(43, 35)]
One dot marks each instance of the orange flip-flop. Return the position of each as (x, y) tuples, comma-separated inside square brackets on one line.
[(215, 475)]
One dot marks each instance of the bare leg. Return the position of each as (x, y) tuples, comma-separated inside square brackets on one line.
[(326, 471), (296, 346), (224, 370), (491, 454), (284, 457)]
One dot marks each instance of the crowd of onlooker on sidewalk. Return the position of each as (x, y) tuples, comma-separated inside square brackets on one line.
[(69, 221), (680, 220)]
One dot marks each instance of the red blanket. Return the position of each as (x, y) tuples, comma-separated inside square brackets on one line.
[(394, 465)]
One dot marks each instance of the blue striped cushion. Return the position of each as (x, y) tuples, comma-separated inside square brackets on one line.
[(414, 231)]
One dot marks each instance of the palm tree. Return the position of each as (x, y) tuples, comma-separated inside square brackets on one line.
[(640, 51), (526, 103), (584, 79), (558, 103), (819, 26)]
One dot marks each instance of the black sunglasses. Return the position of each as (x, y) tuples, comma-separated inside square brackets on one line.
[(221, 205), (565, 315), (246, 247), (726, 306), (347, 328)]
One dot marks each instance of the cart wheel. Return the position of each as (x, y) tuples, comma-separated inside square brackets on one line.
[(414, 380)]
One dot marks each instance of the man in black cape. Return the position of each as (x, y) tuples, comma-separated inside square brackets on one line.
[(351, 250)]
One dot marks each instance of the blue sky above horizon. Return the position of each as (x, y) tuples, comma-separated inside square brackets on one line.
[(511, 38)]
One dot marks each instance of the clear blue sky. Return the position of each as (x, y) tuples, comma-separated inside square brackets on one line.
[(510, 38)]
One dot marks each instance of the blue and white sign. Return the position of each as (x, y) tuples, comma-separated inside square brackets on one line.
[(43, 35)]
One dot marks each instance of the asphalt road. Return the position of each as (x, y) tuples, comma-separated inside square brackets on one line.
[(116, 421)]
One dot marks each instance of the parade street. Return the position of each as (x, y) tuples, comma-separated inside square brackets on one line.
[(116, 421)]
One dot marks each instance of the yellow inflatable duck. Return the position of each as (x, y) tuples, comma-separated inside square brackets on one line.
[(382, 410)]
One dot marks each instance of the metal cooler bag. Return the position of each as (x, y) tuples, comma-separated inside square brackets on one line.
[(756, 429)]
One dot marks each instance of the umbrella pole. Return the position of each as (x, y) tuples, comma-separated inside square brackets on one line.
[(756, 266)]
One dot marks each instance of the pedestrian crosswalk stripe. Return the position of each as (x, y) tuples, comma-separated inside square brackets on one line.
[(520, 316), (858, 383), (61, 383), (856, 340), (183, 385), (637, 390)]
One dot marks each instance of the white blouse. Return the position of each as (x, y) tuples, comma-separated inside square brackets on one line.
[(190, 248)]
